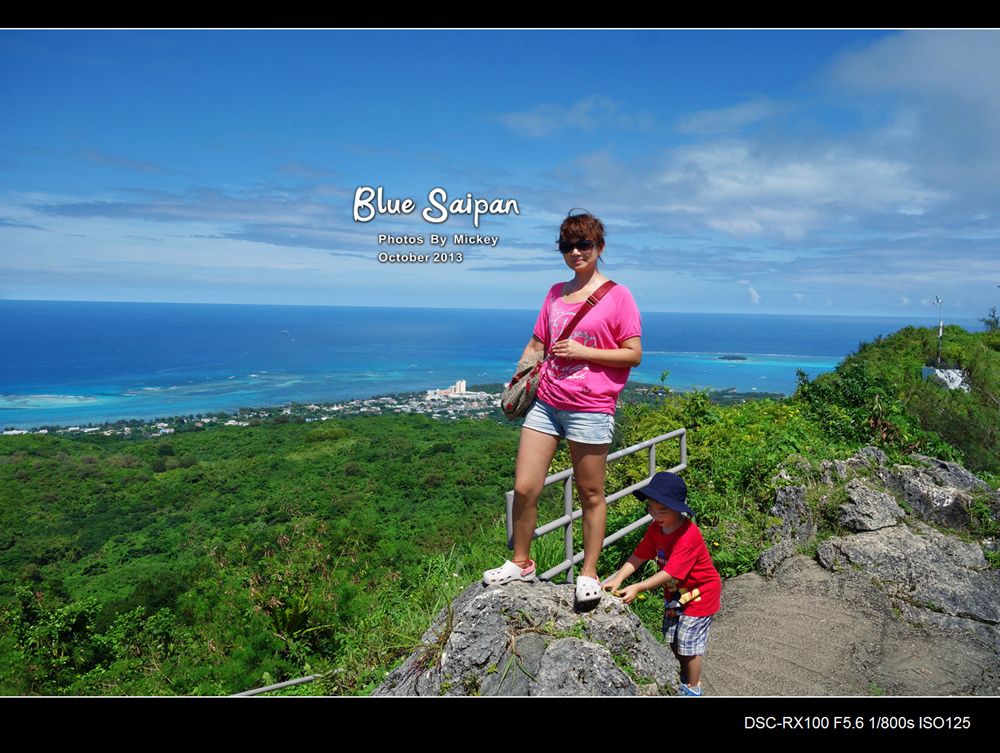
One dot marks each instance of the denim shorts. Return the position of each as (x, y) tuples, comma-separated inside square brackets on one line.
[(577, 426)]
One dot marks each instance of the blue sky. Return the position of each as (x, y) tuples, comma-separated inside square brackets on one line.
[(798, 172)]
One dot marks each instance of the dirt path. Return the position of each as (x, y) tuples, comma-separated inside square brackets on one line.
[(812, 632)]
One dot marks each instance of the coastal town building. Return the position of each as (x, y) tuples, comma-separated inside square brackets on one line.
[(447, 404)]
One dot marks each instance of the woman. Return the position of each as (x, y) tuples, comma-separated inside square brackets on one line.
[(576, 399)]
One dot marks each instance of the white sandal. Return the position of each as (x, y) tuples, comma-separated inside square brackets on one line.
[(509, 572), (587, 589)]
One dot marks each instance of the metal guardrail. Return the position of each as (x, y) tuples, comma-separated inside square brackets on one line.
[(569, 515), (277, 686), (286, 684)]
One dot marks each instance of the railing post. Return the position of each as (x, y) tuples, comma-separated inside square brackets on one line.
[(568, 537), (510, 519)]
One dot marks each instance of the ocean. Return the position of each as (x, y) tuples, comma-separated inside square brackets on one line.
[(79, 363)]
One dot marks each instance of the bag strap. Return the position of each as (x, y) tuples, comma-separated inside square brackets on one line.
[(593, 299)]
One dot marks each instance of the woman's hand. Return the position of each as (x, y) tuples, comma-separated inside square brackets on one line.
[(628, 354), (570, 349)]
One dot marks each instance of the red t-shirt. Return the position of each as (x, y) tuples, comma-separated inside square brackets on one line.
[(684, 555)]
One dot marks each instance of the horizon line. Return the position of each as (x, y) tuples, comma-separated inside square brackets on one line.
[(473, 308)]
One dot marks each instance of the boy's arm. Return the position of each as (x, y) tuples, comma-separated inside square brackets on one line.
[(633, 564), (661, 578), (628, 594)]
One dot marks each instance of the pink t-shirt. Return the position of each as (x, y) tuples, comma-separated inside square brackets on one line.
[(570, 384)]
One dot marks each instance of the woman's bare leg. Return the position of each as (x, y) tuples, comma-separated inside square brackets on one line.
[(589, 461), (534, 456)]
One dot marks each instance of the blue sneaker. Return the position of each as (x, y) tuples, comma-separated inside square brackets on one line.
[(688, 690)]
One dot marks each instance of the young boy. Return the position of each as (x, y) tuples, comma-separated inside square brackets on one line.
[(685, 567)]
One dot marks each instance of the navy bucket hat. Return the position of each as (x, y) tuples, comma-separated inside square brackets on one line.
[(668, 489)]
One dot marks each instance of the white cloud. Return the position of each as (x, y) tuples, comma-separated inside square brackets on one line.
[(587, 114), (743, 188), (112, 160), (198, 205), (729, 119), (307, 171), (945, 101), (922, 163), (932, 63)]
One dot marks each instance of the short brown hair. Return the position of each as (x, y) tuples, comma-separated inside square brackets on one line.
[(580, 226)]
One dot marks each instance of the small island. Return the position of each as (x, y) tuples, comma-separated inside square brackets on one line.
[(732, 358)]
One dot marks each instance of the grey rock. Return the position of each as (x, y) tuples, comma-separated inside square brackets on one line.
[(902, 608), (574, 667), (946, 473), (769, 560), (924, 496), (937, 490), (867, 509), (527, 639), (793, 516), (874, 455), (921, 567), (833, 471)]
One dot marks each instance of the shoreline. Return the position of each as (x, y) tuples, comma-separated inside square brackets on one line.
[(478, 403), (210, 394)]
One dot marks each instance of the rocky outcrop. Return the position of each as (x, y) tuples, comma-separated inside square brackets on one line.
[(921, 568), (937, 490), (889, 605), (875, 495), (868, 509), (526, 639), (927, 601)]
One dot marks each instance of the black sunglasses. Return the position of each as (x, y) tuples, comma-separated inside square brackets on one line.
[(567, 247)]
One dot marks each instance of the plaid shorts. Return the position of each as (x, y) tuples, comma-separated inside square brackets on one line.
[(689, 633)]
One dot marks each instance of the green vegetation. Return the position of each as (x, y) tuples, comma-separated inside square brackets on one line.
[(991, 321), (879, 395), (211, 562), (279, 547)]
